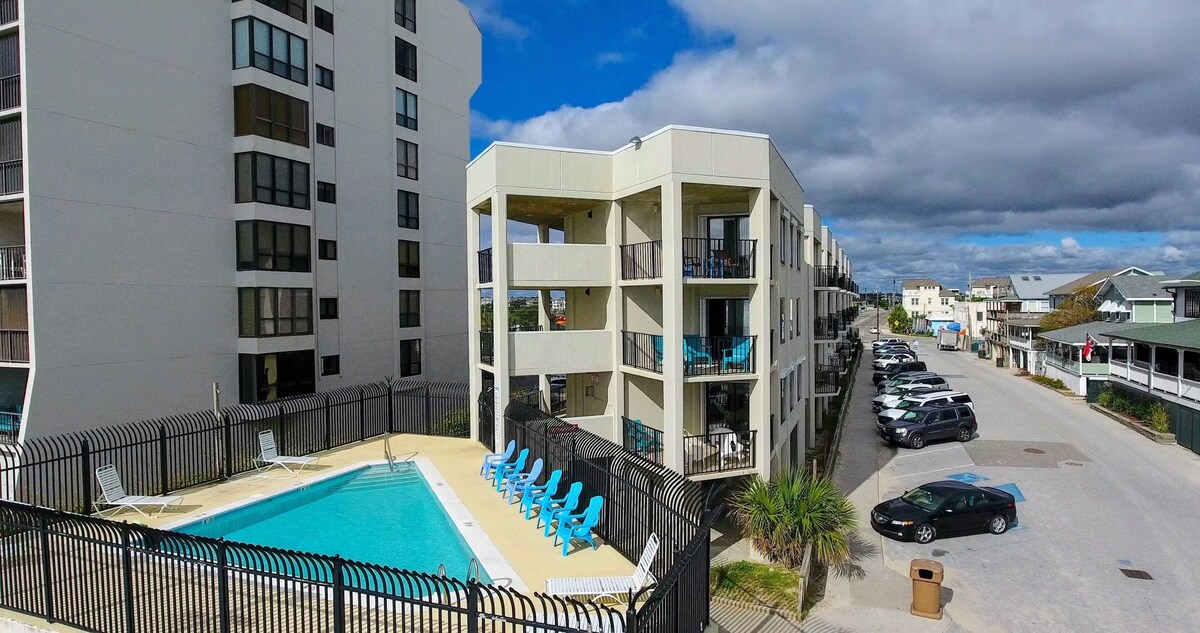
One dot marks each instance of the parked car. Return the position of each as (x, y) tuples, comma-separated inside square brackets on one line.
[(913, 401), (878, 349), (873, 330), (883, 362), (888, 398), (892, 349), (884, 341), (912, 377), (897, 368), (935, 382), (919, 426), (558, 381), (944, 508)]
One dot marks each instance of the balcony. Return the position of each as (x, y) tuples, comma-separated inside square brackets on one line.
[(826, 380), (825, 277), (10, 427), (11, 179), (641, 350), (10, 92), (14, 346), (485, 266), (825, 328), (1144, 375), (717, 258), (487, 347), (642, 260), (642, 440), (559, 265), (560, 352), (12, 263), (718, 355), (719, 452), (1075, 367), (8, 11)]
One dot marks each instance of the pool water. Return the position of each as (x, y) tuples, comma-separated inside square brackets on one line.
[(372, 515)]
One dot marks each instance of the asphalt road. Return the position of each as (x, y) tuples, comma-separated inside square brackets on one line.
[(1099, 498)]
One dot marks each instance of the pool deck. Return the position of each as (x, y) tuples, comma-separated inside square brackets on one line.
[(530, 555)]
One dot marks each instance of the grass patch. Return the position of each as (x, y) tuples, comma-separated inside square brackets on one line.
[(756, 583)]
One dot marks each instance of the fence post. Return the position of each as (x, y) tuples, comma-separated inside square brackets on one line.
[(391, 401), (428, 410), (279, 424), (339, 597), (162, 460), (362, 414), (472, 606), (127, 576), (47, 584), (631, 617), (228, 429), (328, 427), (222, 586), (85, 485)]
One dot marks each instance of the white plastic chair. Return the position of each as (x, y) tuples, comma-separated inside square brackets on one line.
[(270, 456), (112, 493), (608, 586)]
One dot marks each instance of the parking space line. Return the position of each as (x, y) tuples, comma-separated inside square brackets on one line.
[(918, 453), (936, 470)]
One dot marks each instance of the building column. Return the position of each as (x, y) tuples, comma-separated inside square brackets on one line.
[(763, 391), (545, 320), (673, 309), (474, 312), (616, 302), (502, 363)]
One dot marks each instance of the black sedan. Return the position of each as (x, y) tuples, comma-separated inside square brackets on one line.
[(944, 508)]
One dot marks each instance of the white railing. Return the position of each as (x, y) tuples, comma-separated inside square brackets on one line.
[(1189, 389), (12, 262)]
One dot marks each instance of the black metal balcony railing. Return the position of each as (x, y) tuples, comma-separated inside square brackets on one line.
[(14, 346), (826, 379), (825, 328), (10, 92), (825, 276), (558, 399), (485, 266), (8, 11), (10, 427), (642, 260), (718, 355), (12, 263), (11, 180), (641, 350), (639, 439), (487, 347), (718, 452), (715, 258)]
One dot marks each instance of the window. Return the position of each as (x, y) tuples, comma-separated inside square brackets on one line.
[(331, 365), (1191, 365), (322, 19), (1166, 361), (410, 308), (406, 159), (792, 311), (410, 258), (327, 249), (272, 376), (783, 398), (263, 245), (274, 311), (783, 242), (1191, 304), (325, 135), (327, 308), (410, 357), (1141, 354), (408, 209), (796, 250), (1120, 352), (294, 8), (324, 77), (978, 315), (406, 109), (406, 14), (406, 59), (945, 301), (271, 180), (262, 112), (270, 48), (326, 192), (782, 321), (916, 301)]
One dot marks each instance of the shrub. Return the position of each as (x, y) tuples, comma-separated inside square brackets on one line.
[(1158, 419), (1105, 399), (456, 423), (1050, 382), (1146, 410)]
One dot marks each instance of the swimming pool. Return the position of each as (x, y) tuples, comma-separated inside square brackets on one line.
[(370, 514)]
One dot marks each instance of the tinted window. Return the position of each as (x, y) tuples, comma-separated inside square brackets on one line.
[(948, 415), (911, 416), (964, 412), (924, 499), (961, 399)]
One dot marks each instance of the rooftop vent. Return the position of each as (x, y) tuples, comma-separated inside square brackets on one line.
[(1024, 278), (1037, 278)]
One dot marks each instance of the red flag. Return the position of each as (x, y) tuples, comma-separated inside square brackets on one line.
[(1087, 348)]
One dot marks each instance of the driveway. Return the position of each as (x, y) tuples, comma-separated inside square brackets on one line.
[(1099, 499)]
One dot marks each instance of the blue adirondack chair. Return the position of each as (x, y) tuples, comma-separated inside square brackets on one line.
[(658, 349), (691, 355), (534, 495), (509, 469), (641, 438), (579, 526), (520, 481), (562, 505), (493, 460), (739, 354)]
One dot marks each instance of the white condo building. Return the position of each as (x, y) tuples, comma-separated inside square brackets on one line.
[(706, 306), (264, 194)]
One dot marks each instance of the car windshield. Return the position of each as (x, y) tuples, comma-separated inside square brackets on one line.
[(924, 499), (911, 416), (891, 391), (904, 404)]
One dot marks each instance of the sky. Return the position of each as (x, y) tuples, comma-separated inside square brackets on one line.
[(937, 139)]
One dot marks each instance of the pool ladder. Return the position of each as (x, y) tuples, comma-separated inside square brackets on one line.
[(473, 569), (387, 453)]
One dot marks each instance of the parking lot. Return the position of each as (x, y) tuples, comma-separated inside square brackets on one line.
[(1094, 499)]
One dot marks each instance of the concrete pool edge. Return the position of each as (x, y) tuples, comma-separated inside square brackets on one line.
[(480, 544)]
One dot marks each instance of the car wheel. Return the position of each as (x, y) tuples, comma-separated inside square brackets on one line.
[(924, 534), (965, 434), (916, 441), (998, 524)]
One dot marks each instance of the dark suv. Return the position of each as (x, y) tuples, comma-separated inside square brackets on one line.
[(935, 422), (898, 368)]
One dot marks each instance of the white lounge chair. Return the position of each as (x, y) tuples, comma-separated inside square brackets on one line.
[(732, 450), (271, 457), (112, 493), (613, 587)]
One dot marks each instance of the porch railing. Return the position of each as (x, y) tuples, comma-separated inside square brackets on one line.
[(718, 452), (716, 258), (825, 276), (642, 260), (826, 379), (485, 266), (12, 263), (825, 328), (641, 350), (14, 346), (718, 355), (642, 440)]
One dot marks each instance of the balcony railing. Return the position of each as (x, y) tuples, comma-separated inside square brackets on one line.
[(825, 276), (8, 11), (10, 92), (718, 452), (641, 350), (12, 263), (643, 440), (14, 346), (826, 379), (485, 266), (487, 347), (718, 355), (11, 180), (642, 260), (825, 328), (10, 427), (716, 258), (558, 399)]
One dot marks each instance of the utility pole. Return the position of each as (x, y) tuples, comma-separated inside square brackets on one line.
[(877, 313)]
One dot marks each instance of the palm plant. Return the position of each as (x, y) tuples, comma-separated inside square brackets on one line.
[(793, 510)]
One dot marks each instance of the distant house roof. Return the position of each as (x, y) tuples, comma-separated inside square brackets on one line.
[(1191, 281), (1087, 280), (947, 293), (1038, 285), (1024, 321), (1183, 334), (984, 282), (1074, 335), (922, 281), (1138, 286)]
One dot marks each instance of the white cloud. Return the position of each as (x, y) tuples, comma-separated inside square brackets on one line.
[(489, 18), (609, 57)]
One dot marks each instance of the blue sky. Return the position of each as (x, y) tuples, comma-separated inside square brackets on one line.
[(936, 139)]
